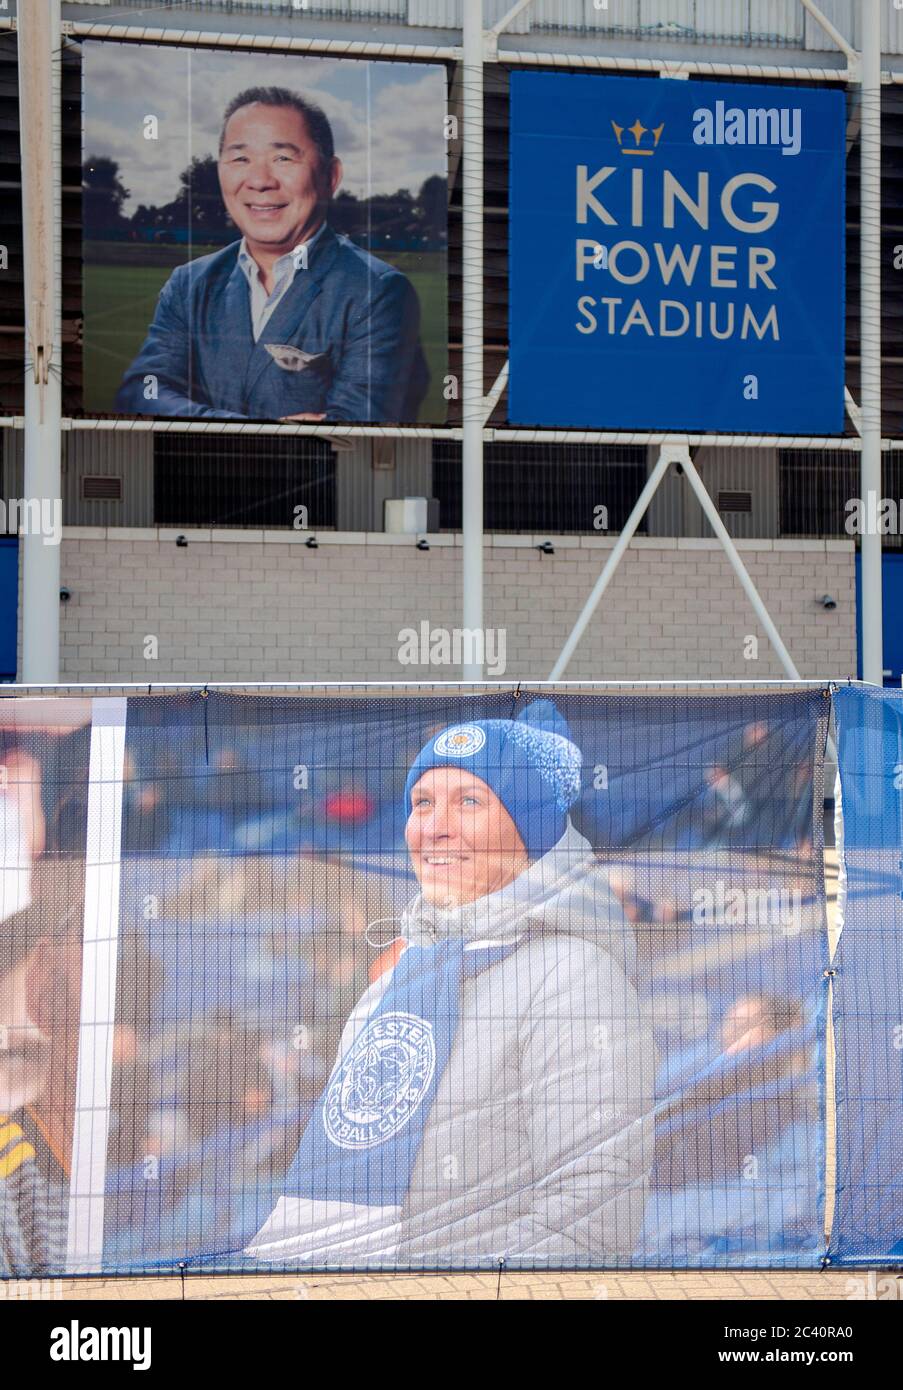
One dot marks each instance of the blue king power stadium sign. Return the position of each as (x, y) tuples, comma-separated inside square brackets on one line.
[(676, 255)]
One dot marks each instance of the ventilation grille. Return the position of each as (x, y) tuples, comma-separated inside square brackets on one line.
[(735, 501), (100, 487)]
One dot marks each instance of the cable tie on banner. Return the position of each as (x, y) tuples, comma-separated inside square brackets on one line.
[(830, 973)]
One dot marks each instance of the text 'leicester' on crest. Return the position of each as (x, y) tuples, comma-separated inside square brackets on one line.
[(381, 1082)]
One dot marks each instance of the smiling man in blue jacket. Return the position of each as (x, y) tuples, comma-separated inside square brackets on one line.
[(293, 321)]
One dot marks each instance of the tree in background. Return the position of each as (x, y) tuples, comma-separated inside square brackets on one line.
[(391, 221), (104, 195)]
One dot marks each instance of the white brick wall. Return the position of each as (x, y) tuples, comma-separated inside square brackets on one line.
[(261, 606)]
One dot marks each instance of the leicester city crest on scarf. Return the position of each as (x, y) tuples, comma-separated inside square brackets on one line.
[(381, 1082)]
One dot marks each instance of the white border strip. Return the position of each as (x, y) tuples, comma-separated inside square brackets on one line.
[(98, 1000)]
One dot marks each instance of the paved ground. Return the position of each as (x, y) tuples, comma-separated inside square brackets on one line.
[(770, 1285), (761, 1285)]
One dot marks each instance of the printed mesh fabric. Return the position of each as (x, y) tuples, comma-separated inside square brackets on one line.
[(506, 1013), (868, 1219)]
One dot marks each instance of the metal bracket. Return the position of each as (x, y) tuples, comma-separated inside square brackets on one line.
[(836, 37), (675, 453), (853, 410), (506, 18), (491, 400)]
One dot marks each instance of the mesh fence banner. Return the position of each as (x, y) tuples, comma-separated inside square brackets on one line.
[(49, 883), (415, 981), (868, 984)]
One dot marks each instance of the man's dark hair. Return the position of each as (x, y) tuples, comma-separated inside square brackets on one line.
[(317, 121)]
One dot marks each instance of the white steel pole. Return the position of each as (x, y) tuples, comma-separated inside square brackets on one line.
[(740, 570), (472, 410), (870, 333), (39, 39), (665, 459)]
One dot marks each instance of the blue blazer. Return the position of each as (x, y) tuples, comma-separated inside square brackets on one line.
[(355, 319)]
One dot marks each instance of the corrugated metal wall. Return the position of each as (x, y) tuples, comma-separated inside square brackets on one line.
[(374, 470), (299, 9), (845, 15), (104, 454), (101, 453), (757, 23), (446, 14), (674, 510), (738, 21)]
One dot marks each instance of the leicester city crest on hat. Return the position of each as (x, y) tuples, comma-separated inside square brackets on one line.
[(460, 742)]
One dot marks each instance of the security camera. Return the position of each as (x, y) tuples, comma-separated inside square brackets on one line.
[(65, 595), (181, 540), (827, 601)]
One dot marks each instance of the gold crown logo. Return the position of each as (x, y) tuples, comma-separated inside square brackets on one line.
[(638, 130)]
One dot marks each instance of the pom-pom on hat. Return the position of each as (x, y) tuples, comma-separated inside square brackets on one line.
[(530, 763)]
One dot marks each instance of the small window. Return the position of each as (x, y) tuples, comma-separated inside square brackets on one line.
[(232, 480), (545, 488)]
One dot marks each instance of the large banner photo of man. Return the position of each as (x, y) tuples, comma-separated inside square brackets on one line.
[(265, 237)]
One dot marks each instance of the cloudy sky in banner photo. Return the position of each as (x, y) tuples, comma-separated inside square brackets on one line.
[(387, 118)]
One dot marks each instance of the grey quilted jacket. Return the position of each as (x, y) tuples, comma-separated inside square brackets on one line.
[(538, 1145)]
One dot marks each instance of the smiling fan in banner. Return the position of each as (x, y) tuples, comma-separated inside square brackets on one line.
[(492, 1094), (292, 321)]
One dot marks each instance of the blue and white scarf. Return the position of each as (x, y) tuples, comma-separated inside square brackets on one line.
[(344, 1191)]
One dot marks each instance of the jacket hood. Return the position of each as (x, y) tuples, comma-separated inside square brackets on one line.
[(566, 892)]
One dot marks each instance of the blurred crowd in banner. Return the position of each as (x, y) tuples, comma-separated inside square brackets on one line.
[(264, 875), (272, 876)]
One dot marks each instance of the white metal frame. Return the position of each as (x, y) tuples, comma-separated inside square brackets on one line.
[(39, 116), (42, 421), (97, 1016), (674, 454)]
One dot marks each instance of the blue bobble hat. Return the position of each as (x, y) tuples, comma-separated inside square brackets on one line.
[(530, 763)]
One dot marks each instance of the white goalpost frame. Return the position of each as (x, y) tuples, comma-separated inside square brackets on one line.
[(479, 45)]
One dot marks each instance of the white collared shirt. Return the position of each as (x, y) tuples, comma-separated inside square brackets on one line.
[(284, 271)]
